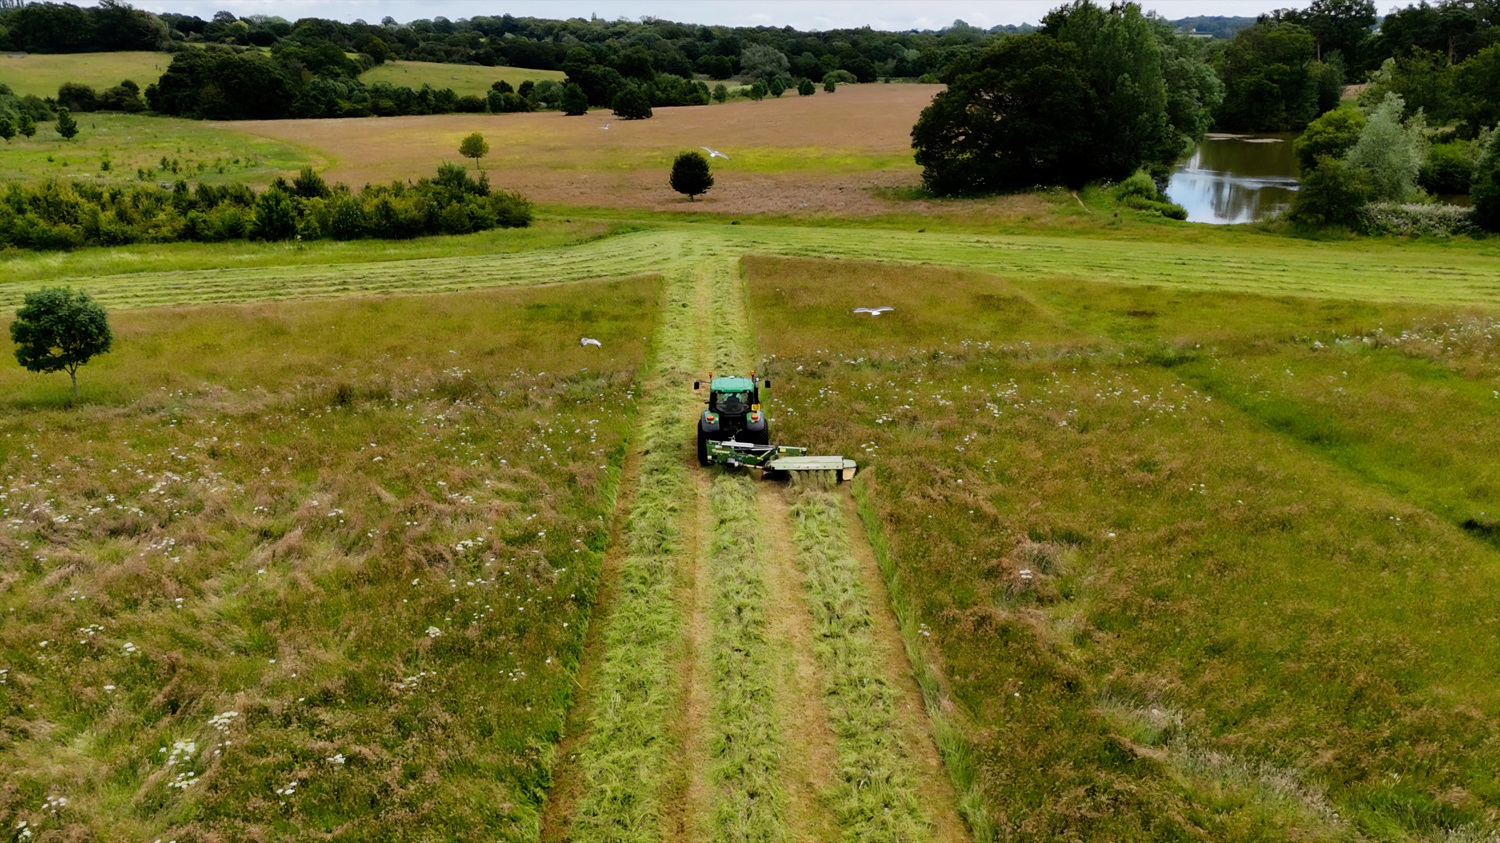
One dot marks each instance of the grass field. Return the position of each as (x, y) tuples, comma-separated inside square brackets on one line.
[(43, 74), (462, 78), (1195, 564), (300, 570), (163, 149)]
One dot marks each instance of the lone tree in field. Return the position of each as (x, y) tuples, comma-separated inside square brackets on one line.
[(805, 88), (7, 129), (26, 125), (690, 175), (474, 146), (60, 329), (632, 104), (575, 101), (66, 125)]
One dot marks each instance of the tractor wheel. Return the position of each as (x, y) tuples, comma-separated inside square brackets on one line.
[(702, 447), (759, 437)]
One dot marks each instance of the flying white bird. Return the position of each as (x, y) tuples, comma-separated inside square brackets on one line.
[(605, 127), (714, 153), (873, 311), (590, 341)]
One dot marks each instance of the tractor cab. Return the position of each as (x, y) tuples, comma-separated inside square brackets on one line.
[(734, 413)]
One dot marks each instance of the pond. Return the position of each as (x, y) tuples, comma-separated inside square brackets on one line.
[(1236, 178)]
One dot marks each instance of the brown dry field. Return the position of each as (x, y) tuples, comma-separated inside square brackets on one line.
[(828, 153)]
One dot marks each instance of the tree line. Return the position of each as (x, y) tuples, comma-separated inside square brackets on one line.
[(67, 215)]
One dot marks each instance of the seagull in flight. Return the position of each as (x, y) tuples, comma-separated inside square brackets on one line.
[(586, 341), (605, 127), (873, 311), (714, 153)]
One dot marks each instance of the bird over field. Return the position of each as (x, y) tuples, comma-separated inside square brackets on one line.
[(873, 311), (590, 341), (714, 153)]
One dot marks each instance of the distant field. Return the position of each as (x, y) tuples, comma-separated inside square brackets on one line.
[(42, 74), (462, 78), (193, 151), (827, 152)]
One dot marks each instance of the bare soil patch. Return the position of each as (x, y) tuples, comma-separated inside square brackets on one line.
[(824, 153)]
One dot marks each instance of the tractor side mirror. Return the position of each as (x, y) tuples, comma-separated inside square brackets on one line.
[(765, 384), (697, 384)]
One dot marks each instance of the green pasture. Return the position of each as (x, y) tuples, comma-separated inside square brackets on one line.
[(42, 74), (1223, 563), (310, 570), (162, 149), (462, 78)]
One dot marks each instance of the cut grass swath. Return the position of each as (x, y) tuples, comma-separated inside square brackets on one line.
[(625, 758), (876, 798), (749, 800)]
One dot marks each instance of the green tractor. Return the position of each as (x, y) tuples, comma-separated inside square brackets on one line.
[(735, 432), (733, 415)]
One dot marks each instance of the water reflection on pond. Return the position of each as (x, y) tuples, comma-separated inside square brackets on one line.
[(1236, 178)]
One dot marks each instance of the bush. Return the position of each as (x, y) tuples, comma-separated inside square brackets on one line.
[(1450, 168), (631, 104), (1333, 194), (1411, 220), (1486, 192), (1330, 136)]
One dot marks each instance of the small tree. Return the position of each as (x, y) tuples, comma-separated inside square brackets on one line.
[(26, 125), (1329, 136), (7, 129), (830, 84), (59, 329), (1486, 191), (66, 125), (575, 101), (632, 104), (721, 92), (806, 88), (275, 216), (776, 86), (1391, 152), (758, 91), (474, 146), (1332, 193), (690, 175)]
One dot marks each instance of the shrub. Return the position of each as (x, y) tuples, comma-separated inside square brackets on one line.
[(1486, 192), (805, 88), (1331, 195), (76, 96), (1426, 220), (1330, 136), (631, 104), (1450, 168)]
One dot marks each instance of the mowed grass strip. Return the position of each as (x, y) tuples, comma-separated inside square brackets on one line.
[(1145, 598), (746, 747), (320, 570), (625, 757), (876, 797)]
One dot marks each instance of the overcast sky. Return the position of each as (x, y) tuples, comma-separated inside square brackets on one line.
[(894, 15)]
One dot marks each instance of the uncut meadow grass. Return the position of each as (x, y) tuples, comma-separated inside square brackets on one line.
[(1163, 607), (311, 570)]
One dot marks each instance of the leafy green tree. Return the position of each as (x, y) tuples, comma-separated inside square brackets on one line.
[(474, 146), (806, 88), (574, 101), (26, 125), (758, 91), (1332, 194), (1337, 26), (275, 216), (1017, 115), (1486, 192), (1477, 91), (7, 128), (59, 329), (763, 62), (1390, 152), (1450, 168), (1329, 136), (1269, 79), (309, 185), (691, 175), (632, 104), (776, 86), (830, 84), (66, 125), (721, 92)]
